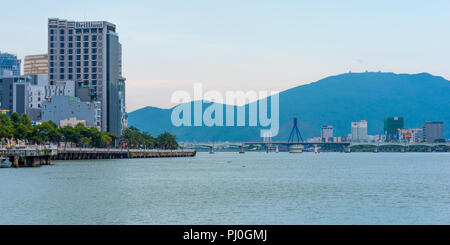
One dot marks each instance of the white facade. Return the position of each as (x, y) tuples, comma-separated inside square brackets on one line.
[(60, 88), (71, 122), (359, 131), (326, 132)]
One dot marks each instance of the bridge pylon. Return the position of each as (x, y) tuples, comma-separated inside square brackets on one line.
[(295, 132)]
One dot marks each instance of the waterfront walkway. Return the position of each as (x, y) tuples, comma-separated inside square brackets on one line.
[(35, 156)]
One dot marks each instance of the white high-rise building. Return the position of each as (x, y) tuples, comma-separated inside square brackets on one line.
[(326, 133), (359, 131)]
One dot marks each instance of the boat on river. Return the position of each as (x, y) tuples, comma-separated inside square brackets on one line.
[(5, 163)]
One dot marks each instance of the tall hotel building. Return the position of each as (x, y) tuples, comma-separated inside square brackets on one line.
[(89, 53)]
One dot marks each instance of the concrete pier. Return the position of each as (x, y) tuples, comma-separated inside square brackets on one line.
[(35, 157)]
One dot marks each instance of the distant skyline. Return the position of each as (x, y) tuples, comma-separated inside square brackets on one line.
[(246, 45)]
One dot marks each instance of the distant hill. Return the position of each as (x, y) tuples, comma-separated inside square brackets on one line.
[(336, 100)]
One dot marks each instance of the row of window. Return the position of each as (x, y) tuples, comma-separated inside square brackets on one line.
[(78, 38), (78, 57), (85, 69), (85, 75), (77, 31), (78, 51), (78, 45), (77, 77)]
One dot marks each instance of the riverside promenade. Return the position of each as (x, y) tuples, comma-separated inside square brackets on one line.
[(35, 156)]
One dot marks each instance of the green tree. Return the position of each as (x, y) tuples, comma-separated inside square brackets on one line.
[(166, 141)]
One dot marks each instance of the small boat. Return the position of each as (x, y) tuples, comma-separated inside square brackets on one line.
[(5, 163)]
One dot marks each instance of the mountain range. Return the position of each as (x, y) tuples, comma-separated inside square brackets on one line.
[(335, 100)]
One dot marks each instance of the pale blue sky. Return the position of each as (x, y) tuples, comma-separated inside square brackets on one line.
[(247, 45)]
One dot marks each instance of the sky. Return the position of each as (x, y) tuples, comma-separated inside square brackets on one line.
[(232, 45)]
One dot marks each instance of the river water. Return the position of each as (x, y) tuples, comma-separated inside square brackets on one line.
[(232, 188)]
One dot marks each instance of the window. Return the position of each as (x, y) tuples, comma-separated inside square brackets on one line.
[(52, 57), (70, 64), (78, 45), (61, 51), (52, 38), (85, 30), (78, 70), (70, 51), (52, 31), (86, 63), (94, 44), (61, 31), (94, 38), (78, 51), (78, 38), (94, 57), (61, 38), (86, 70), (78, 31), (52, 64), (70, 45), (61, 70), (86, 44), (86, 38), (70, 57), (70, 77), (78, 57), (85, 76), (93, 63), (61, 57), (70, 70), (93, 30), (94, 50), (52, 51), (86, 50), (61, 45), (52, 45), (61, 77), (70, 31), (86, 57)]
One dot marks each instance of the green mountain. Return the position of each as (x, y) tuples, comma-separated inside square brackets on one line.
[(336, 100)]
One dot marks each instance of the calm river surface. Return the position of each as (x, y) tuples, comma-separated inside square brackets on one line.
[(232, 188)]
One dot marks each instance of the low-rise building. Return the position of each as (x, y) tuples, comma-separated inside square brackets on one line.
[(62, 108), (73, 121), (410, 135)]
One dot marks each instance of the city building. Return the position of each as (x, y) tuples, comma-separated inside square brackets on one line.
[(9, 96), (35, 64), (391, 127), (359, 131), (90, 53), (9, 65), (60, 88), (326, 133), (60, 109), (433, 131), (71, 122), (410, 135)]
